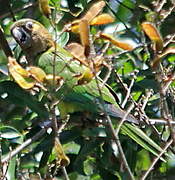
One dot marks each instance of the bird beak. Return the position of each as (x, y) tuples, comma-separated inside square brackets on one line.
[(21, 36)]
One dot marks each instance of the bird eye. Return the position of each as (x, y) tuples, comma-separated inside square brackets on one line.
[(29, 25)]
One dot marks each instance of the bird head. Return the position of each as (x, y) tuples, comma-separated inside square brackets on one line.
[(33, 37)]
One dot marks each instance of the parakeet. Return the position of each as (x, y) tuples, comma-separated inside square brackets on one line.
[(40, 50)]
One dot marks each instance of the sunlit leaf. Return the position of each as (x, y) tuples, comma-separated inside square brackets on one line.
[(63, 39), (4, 70), (122, 45), (62, 158), (13, 64), (51, 80), (25, 83), (89, 166), (75, 26), (157, 59), (153, 33), (151, 16), (102, 19), (20, 75), (8, 132), (77, 51), (86, 77), (84, 36), (37, 73), (71, 148), (94, 10)]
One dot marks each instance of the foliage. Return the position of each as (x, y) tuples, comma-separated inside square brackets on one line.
[(137, 71)]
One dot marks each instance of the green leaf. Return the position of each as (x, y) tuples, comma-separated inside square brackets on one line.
[(70, 135), (11, 172), (143, 161), (17, 95), (89, 166), (95, 132), (86, 150), (12, 134), (142, 135), (148, 84), (71, 148), (127, 68), (171, 58), (63, 39), (142, 139)]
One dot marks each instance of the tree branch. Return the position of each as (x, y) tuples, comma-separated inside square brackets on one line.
[(156, 159), (26, 6), (4, 44), (22, 146)]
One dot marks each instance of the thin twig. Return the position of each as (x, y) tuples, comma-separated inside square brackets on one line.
[(167, 84), (160, 122), (128, 94), (115, 14), (65, 173), (141, 112), (126, 27), (105, 79), (60, 151), (117, 141), (167, 115), (156, 159), (112, 131), (26, 6), (145, 100), (163, 102), (124, 118), (4, 172), (168, 12), (11, 11), (169, 40), (5, 166), (54, 121), (160, 6), (107, 76), (53, 107), (23, 145), (125, 88), (4, 44)]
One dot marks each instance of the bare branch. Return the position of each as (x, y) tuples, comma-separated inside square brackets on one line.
[(156, 159), (22, 146), (65, 173), (124, 118), (4, 44), (26, 6), (145, 101), (160, 5), (161, 122), (113, 133), (128, 92)]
